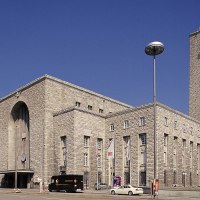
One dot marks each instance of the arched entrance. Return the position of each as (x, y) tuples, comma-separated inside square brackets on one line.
[(19, 173)]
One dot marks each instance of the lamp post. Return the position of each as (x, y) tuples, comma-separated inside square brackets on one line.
[(15, 166), (153, 49), (16, 157)]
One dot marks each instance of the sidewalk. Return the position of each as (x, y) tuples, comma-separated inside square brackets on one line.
[(180, 193), (11, 190)]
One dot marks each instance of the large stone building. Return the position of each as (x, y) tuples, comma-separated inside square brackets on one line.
[(50, 126)]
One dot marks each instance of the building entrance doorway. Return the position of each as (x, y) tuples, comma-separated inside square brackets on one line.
[(23, 178)]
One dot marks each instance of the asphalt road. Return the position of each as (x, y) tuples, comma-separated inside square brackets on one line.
[(80, 196), (64, 196)]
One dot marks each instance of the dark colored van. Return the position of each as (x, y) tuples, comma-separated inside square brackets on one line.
[(67, 183)]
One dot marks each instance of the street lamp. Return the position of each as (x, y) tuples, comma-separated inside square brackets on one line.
[(153, 49), (16, 158)]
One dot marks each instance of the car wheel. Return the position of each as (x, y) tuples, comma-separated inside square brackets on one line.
[(113, 192), (130, 193)]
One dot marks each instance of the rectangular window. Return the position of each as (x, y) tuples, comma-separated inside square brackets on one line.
[(165, 177), (142, 152), (126, 150), (99, 161), (175, 152), (166, 121), (78, 104), (198, 157), (86, 141), (86, 150), (183, 179), (143, 158), (126, 124), (142, 139), (89, 107), (183, 153), (190, 178), (85, 159), (111, 148), (165, 158), (165, 139), (63, 141), (191, 154), (174, 177), (175, 125), (112, 127), (165, 149), (142, 180), (99, 143), (126, 178), (184, 128), (63, 150), (99, 152), (142, 121), (101, 111), (191, 130)]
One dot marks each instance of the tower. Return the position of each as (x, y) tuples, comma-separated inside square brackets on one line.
[(194, 87)]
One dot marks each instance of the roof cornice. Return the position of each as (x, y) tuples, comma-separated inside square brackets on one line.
[(46, 76), (195, 32)]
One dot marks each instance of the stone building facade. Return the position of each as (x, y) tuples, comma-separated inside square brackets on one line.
[(50, 127), (38, 117), (178, 146)]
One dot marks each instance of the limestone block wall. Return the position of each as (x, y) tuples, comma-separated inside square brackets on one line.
[(179, 126), (194, 106), (168, 121), (44, 97), (63, 126), (93, 126), (34, 98), (59, 96), (134, 129), (4, 124), (75, 124)]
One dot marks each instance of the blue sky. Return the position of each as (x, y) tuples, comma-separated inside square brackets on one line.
[(99, 45)]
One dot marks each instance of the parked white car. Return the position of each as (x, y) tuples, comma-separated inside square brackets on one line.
[(126, 189)]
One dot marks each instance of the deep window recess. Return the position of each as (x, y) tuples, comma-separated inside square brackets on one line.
[(112, 128), (89, 107), (78, 104)]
